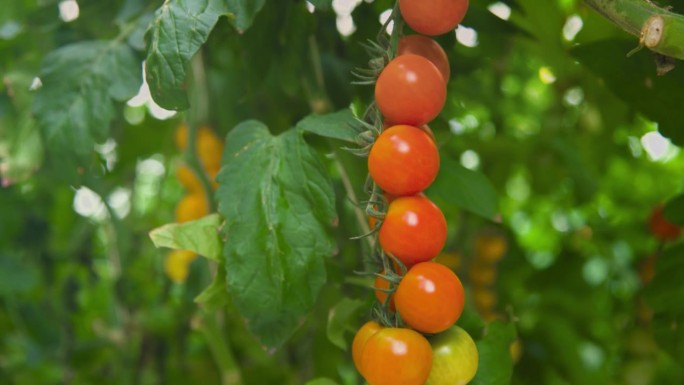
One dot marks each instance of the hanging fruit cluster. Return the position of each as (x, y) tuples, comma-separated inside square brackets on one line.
[(194, 205), (414, 339)]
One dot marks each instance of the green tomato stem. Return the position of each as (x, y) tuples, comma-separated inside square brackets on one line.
[(658, 29)]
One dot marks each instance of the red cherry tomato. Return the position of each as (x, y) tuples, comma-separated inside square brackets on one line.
[(414, 229), (397, 356), (410, 90), (404, 160), (433, 17), (661, 228), (430, 297), (427, 48)]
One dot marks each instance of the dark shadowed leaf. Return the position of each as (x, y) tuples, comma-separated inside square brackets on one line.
[(244, 12), (341, 319), (495, 366)]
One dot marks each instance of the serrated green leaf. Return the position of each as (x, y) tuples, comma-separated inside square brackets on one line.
[(340, 320), (178, 30), (321, 381), (244, 12), (81, 81), (215, 296), (322, 5), (278, 202), (339, 125), (495, 366), (470, 190), (200, 236)]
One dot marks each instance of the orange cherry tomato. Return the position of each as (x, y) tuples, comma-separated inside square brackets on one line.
[(427, 48), (414, 229), (359, 343), (396, 356), (410, 90), (430, 297), (433, 17), (404, 160)]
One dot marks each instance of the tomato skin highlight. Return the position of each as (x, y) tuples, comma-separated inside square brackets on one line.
[(410, 90), (424, 46), (404, 160), (433, 17), (660, 227), (397, 356), (454, 358), (430, 297), (414, 229), (364, 333)]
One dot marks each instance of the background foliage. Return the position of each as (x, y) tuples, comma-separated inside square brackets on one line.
[(549, 129)]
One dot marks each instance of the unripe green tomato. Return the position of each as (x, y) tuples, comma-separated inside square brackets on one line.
[(454, 358)]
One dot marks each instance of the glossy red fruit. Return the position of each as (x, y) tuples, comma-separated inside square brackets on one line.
[(410, 90), (661, 228), (428, 48), (404, 160), (433, 17), (430, 297), (414, 229), (397, 356)]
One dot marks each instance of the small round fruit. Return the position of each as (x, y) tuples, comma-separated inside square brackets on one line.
[(454, 358), (484, 299), (430, 297), (661, 228), (359, 343), (410, 90), (396, 356), (433, 17), (177, 263), (191, 207), (481, 274), (427, 48), (208, 145), (414, 229), (404, 160), (490, 248)]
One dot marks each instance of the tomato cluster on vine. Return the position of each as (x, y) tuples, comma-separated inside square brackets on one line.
[(414, 339)]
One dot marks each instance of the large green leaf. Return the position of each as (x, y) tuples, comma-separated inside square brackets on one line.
[(81, 82), (341, 125), (495, 366), (277, 202), (244, 12), (470, 190), (178, 30), (634, 80)]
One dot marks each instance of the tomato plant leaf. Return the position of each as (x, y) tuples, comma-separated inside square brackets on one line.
[(278, 202), (458, 186), (495, 366), (244, 12), (215, 296), (341, 125), (179, 29), (340, 320), (80, 83), (200, 236)]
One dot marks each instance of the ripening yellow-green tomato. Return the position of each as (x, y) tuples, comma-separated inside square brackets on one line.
[(177, 264), (454, 358)]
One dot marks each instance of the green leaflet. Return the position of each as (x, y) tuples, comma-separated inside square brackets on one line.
[(495, 366), (200, 236), (177, 32), (339, 125), (81, 81), (277, 202), (244, 12), (458, 186)]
